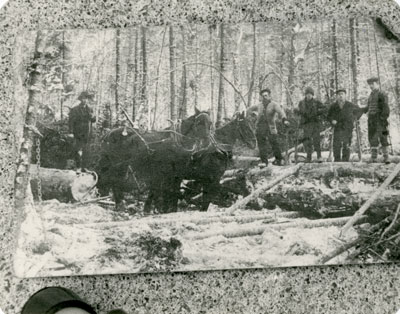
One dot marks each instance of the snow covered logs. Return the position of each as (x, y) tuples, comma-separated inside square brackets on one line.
[(327, 190)]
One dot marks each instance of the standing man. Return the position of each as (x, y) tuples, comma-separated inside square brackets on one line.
[(266, 127), (80, 125), (310, 111), (341, 115), (378, 114)]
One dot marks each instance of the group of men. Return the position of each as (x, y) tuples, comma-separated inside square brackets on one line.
[(341, 115)]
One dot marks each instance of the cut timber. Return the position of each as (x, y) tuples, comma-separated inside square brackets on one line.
[(374, 171), (63, 185), (198, 221), (268, 185), (373, 198), (243, 231), (318, 201)]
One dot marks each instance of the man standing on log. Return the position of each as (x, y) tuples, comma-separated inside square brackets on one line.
[(310, 111), (80, 125), (378, 115), (266, 127), (341, 115)]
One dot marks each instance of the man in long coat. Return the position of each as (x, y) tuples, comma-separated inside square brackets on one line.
[(311, 111), (378, 114), (342, 115), (80, 124)]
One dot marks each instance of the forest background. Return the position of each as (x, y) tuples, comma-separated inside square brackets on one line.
[(164, 72)]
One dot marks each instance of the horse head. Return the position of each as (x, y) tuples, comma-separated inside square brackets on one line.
[(197, 126)]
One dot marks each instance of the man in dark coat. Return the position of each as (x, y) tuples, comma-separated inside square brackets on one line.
[(341, 115), (378, 114), (80, 124), (311, 111), (266, 129)]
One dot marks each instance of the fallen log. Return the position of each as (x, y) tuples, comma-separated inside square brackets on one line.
[(265, 187), (373, 198), (242, 231), (316, 201), (162, 222), (63, 185), (374, 172)]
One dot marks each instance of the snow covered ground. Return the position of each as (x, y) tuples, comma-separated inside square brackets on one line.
[(90, 239)]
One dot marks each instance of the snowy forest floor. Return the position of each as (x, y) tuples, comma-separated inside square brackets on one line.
[(59, 239)]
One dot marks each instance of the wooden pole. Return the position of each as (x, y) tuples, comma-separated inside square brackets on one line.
[(245, 231), (374, 196), (244, 201)]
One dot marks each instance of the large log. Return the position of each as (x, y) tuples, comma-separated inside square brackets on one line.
[(63, 185), (265, 187), (163, 222), (373, 172), (315, 201), (371, 200), (243, 231)]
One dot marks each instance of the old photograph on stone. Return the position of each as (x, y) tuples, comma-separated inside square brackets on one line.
[(203, 147)]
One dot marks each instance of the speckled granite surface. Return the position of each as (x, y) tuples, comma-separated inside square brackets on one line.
[(350, 289)]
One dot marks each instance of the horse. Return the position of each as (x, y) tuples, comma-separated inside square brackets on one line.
[(123, 147), (208, 165)]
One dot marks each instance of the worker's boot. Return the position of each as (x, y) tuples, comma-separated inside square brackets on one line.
[(385, 152), (374, 154)]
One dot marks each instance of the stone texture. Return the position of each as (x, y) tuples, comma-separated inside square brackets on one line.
[(333, 289)]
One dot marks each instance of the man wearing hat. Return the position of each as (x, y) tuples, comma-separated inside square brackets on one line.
[(378, 114), (341, 115), (310, 111), (266, 127), (80, 124)]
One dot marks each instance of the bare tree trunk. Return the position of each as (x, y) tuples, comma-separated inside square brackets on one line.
[(221, 79), (210, 28), (292, 52), (136, 76), (34, 95), (396, 62), (117, 69), (376, 56), (129, 67), (236, 68), (318, 30), (354, 59), (253, 67), (157, 80), (172, 66), (143, 96), (196, 71), (183, 102), (354, 67), (63, 79), (369, 50), (335, 54)]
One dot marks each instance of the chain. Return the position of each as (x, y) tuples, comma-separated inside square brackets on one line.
[(38, 169)]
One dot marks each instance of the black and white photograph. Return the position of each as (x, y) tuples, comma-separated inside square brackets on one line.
[(207, 147)]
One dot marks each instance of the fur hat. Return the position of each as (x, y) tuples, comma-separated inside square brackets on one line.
[(309, 90), (86, 95)]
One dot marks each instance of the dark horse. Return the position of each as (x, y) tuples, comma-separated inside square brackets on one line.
[(208, 165), (126, 152)]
